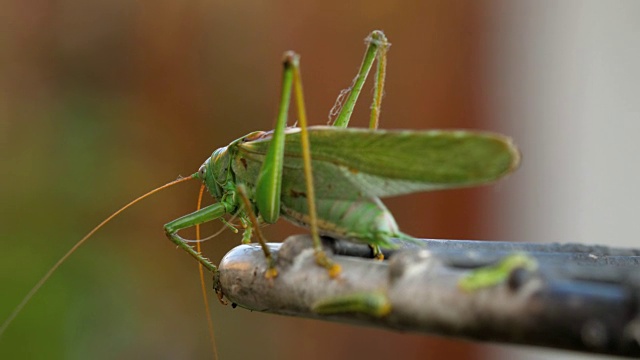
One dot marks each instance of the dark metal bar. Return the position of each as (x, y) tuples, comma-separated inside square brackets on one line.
[(583, 298)]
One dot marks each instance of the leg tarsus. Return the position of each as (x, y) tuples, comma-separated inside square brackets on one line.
[(272, 272), (377, 253), (217, 288), (323, 260)]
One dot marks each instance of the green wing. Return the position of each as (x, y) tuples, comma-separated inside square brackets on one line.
[(394, 162)]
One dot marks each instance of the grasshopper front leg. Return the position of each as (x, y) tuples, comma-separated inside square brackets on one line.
[(211, 212)]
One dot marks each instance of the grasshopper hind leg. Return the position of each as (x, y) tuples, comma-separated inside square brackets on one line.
[(376, 49), (321, 257), (377, 46)]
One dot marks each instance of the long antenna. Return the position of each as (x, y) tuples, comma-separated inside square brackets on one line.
[(46, 277), (212, 336)]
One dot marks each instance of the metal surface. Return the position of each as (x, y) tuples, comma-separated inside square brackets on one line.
[(583, 298)]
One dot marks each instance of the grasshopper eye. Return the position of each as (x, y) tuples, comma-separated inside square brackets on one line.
[(202, 171)]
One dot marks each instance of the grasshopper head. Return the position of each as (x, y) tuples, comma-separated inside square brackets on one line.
[(214, 172)]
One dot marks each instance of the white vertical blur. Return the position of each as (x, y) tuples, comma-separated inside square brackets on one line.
[(563, 78)]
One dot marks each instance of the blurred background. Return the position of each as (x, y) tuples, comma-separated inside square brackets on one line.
[(101, 101)]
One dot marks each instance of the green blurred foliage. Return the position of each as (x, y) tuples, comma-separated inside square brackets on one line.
[(103, 100)]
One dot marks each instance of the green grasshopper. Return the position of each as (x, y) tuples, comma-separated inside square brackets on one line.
[(329, 178), (264, 175)]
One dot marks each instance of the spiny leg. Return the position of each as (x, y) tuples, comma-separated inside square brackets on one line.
[(378, 92), (378, 83), (321, 256), (211, 212), (377, 49), (272, 272)]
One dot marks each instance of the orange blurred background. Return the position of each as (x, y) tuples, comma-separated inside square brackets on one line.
[(103, 100)]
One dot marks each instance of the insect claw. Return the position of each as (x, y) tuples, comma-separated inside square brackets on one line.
[(271, 273), (333, 268), (221, 299), (377, 253), (217, 288)]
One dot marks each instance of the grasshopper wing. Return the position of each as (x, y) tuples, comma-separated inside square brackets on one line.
[(394, 162)]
